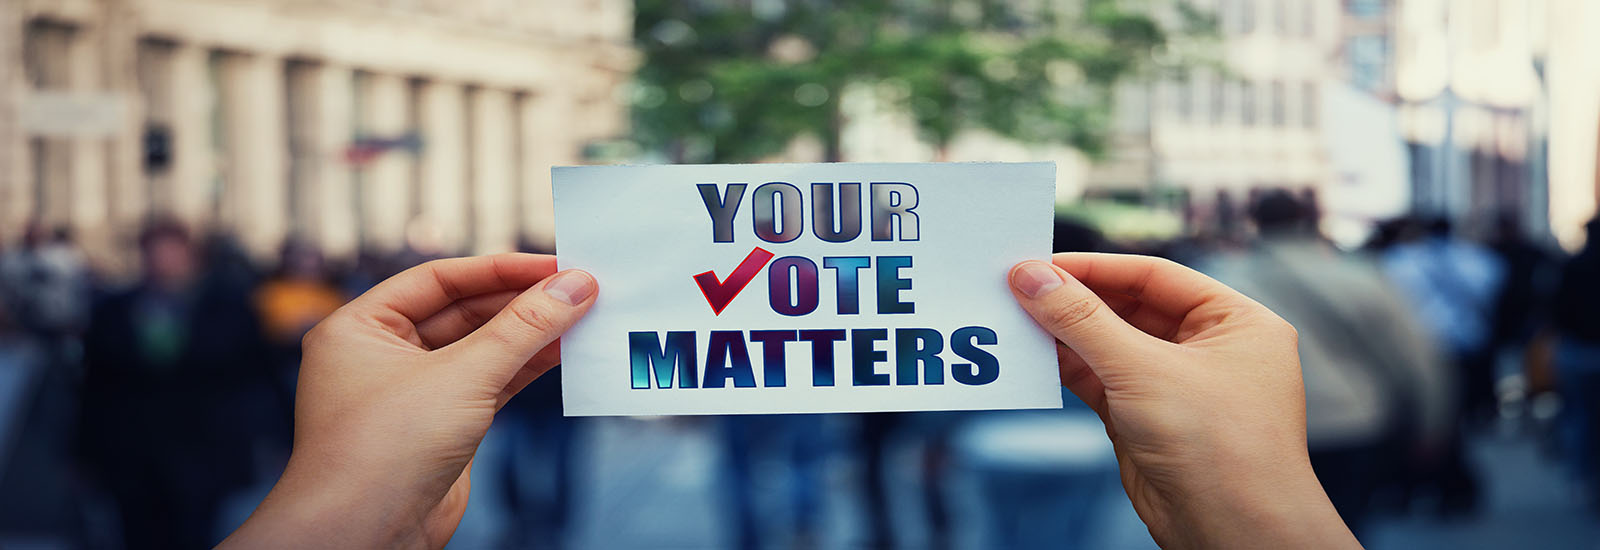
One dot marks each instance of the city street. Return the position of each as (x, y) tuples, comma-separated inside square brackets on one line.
[(651, 484)]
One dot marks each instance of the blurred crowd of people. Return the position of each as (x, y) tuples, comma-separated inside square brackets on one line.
[(129, 413), (138, 408), (1423, 339)]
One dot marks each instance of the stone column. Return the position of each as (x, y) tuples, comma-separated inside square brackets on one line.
[(15, 163), (544, 144), (387, 179), (443, 166), (194, 159), (47, 183), (127, 190), (83, 201), (321, 123), (255, 203), (335, 179), (493, 176)]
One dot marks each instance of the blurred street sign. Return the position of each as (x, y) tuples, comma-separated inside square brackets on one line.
[(365, 149), (49, 113)]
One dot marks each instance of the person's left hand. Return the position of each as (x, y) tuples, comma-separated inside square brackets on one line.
[(397, 389)]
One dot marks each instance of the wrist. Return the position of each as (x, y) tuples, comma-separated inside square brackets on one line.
[(1278, 506), (307, 512)]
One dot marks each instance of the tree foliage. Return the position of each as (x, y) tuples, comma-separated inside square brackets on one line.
[(738, 80)]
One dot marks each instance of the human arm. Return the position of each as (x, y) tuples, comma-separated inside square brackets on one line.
[(1200, 391), (397, 389)]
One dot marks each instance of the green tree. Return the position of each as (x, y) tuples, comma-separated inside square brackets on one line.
[(738, 80)]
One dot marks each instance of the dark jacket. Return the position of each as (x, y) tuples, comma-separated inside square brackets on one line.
[(176, 381), (1578, 297)]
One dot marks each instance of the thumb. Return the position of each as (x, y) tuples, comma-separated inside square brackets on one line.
[(530, 322), (1074, 314)]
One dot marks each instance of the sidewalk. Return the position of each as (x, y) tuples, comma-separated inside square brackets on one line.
[(1528, 503)]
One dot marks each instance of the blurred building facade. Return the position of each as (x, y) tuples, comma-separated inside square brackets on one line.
[(1469, 93), (1468, 109), (1572, 124), (355, 124), (1204, 140), (1500, 107)]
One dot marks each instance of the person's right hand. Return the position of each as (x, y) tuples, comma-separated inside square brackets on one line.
[(1199, 388)]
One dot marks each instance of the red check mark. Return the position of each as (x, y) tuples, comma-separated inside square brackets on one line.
[(719, 293)]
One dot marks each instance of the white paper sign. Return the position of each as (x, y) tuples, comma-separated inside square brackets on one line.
[(804, 288)]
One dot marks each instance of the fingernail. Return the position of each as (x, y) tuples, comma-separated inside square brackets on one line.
[(1035, 278), (571, 287)]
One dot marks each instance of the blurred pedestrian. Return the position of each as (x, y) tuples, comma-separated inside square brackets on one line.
[(292, 300), (1578, 359), (228, 266), (797, 443), (1391, 232), (1375, 389), (37, 500), (1452, 284), (874, 434), (47, 282), (537, 465), (1522, 306), (295, 298), (175, 395), (44, 308)]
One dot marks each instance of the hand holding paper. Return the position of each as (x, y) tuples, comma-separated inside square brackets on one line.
[(1199, 388), (396, 391)]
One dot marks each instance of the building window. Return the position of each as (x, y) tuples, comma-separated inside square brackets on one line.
[(1311, 104), (1247, 16), (1219, 98), (45, 51), (1422, 185), (1365, 8), (1280, 16), (1247, 103), (1368, 56), (1280, 108), (1308, 19), (1183, 88)]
